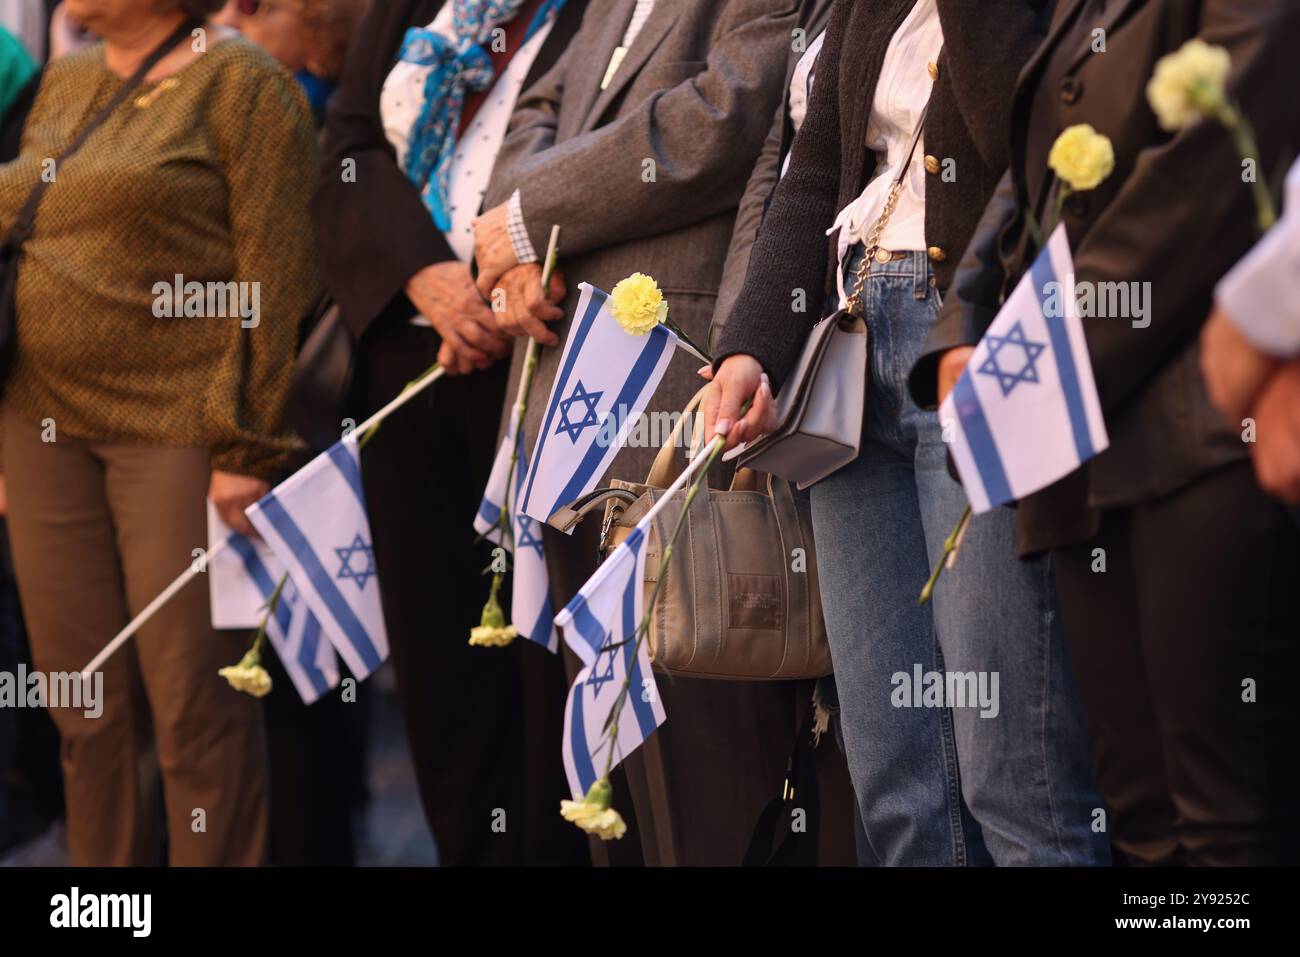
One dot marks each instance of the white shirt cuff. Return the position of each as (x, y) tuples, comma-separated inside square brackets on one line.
[(524, 250), (1261, 293)]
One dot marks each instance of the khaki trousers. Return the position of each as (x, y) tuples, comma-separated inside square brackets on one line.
[(98, 530)]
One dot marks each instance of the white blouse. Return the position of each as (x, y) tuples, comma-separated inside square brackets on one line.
[(901, 95), (476, 150)]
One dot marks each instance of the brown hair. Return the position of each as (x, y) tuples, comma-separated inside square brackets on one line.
[(330, 25)]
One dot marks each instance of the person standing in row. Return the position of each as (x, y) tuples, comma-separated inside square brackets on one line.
[(118, 420), (403, 171), (905, 90)]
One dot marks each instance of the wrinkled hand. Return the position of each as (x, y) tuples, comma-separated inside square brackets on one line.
[(520, 308), (1234, 370), (445, 295), (1276, 449), (951, 365), (739, 379), (231, 494), (493, 249)]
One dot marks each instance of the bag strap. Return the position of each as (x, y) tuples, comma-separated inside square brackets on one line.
[(854, 302), (22, 227), (662, 472)]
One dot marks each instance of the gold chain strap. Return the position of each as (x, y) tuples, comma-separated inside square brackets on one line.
[(872, 244), (854, 302)]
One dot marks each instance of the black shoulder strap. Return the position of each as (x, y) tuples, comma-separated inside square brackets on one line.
[(21, 230)]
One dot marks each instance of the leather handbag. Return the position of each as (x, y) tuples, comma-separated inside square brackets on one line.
[(322, 376), (24, 223), (741, 598), (819, 411)]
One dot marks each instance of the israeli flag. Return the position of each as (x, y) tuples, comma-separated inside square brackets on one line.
[(315, 522), (600, 626), (241, 579), (605, 380), (1025, 413), (530, 603)]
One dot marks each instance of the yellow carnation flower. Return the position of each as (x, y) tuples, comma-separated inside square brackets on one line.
[(492, 630), (1082, 157), (248, 676), (1189, 84), (593, 813), (637, 304), (486, 636)]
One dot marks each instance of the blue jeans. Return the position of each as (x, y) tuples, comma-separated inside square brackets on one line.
[(1001, 774)]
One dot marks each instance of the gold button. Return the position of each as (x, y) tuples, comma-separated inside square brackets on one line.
[(934, 70), (932, 164), (937, 254), (883, 255)]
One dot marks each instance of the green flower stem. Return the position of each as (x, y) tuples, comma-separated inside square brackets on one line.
[(949, 548), (1243, 135), (686, 340), (643, 629), (271, 604), (416, 383)]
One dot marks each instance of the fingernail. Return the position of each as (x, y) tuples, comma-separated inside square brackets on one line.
[(702, 369), (740, 431), (723, 427), (767, 383)]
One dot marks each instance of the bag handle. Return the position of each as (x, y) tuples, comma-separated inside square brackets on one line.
[(23, 224), (662, 472), (798, 584)]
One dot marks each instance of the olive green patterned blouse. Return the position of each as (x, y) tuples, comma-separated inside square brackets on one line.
[(195, 182)]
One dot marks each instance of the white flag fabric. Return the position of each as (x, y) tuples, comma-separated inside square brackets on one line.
[(600, 626), (315, 522), (530, 603), (241, 580), (605, 380), (1025, 410)]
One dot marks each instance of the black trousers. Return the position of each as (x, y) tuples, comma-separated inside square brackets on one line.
[(1186, 645), (317, 757), (484, 724)]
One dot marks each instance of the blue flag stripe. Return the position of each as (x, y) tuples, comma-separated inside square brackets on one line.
[(1043, 273), (319, 579), (983, 449), (307, 652), (659, 339), (578, 740), (347, 465), (561, 386), (645, 717), (544, 627), (489, 512), (261, 577)]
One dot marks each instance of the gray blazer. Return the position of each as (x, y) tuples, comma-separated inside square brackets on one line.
[(695, 94), (766, 174)]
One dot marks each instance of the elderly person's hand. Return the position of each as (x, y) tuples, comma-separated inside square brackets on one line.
[(445, 295), (493, 249), (1276, 449), (1234, 370), (231, 494), (951, 365), (521, 309), (739, 379)]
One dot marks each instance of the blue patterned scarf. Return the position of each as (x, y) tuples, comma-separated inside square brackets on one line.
[(457, 71)]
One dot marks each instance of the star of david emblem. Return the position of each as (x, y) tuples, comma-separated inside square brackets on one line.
[(1019, 359), (366, 558), (525, 538), (599, 678), (588, 400)]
